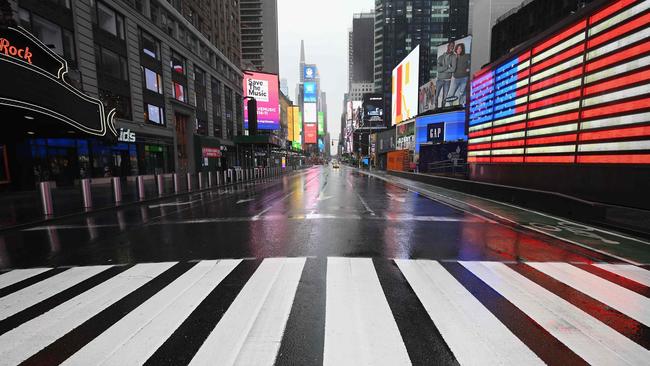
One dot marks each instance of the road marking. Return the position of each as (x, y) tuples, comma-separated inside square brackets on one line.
[(473, 333), (245, 200), (17, 275), (323, 216), (365, 204), (359, 326), (22, 342), (627, 302), (631, 272), (323, 198), (173, 204), (589, 338), (396, 197), (250, 332), (32, 295), (140, 333), (256, 217)]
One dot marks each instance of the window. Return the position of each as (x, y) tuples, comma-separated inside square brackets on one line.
[(152, 80), (179, 92), (154, 114), (122, 104), (199, 76), (110, 21), (110, 63), (177, 63), (49, 33), (150, 45)]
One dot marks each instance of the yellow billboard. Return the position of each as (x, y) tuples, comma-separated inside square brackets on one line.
[(290, 123), (297, 124)]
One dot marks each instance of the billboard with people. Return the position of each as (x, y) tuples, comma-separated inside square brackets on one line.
[(449, 87)]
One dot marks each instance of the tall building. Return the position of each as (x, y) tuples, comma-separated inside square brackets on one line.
[(401, 26), (259, 34), (528, 20), (361, 48), (310, 98)]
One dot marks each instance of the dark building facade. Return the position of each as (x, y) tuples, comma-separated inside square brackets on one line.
[(362, 48), (400, 26), (527, 21)]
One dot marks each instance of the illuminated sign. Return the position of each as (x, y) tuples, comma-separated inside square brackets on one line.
[(34, 80), (404, 103), (373, 110), (309, 72), (290, 123), (265, 89), (578, 96), (211, 152), (436, 132), (321, 123), (309, 113), (311, 133), (126, 135), (310, 92), (297, 124)]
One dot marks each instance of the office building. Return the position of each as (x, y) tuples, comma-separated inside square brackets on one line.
[(361, 48), (259, 34)]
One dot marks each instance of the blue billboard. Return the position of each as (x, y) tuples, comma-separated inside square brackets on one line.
[(309, 72), (452, 130), (310, 92)]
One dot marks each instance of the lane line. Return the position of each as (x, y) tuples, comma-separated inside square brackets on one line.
[(359, 326), (29, 296), (17, 275), (138, 335), (365, 204), (589, 338), (473, 333), (627, 302), (20, 343), (250, 331), (256, 217), (628, 271)]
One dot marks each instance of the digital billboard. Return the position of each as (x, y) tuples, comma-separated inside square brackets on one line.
[(373, 110), (404, 103), (297, 124), (264, 88), (309, 114), (578, 96), (321, 123), (311, 133), (290, 123), (309, 72), (453, 128), (310, 92), (449, 87)]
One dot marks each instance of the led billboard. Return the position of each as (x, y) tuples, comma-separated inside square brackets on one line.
[(453, 128), (297, 124), (309, 114), (310, 92), (578, 96), (321, 123), (311, 133), (404, 103), (264, 88), (309, 72), (290, 123)]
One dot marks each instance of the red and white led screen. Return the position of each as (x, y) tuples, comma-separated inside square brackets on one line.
[(580, 96)]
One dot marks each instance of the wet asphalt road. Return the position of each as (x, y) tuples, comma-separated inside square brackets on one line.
[(319, 212)]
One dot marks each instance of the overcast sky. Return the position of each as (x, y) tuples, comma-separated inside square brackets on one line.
[(323, 25)]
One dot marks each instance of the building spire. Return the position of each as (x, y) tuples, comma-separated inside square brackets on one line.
[(302, 51)]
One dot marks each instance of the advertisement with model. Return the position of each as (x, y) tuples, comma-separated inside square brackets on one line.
[(404, 102), (373, 110), (265, 89)]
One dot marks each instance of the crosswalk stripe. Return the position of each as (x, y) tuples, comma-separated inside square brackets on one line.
[(359, 326), (586, 336), (628, 271), (22, 299), (135, 337), (250, 332), (475, 336), (22, 342), (17, 275), (627, 302)]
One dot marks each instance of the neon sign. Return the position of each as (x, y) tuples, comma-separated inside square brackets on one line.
[(9, 50)]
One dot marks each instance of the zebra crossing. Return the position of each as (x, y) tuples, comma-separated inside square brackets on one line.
[(332, 311)]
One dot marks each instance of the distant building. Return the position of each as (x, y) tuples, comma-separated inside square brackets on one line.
[(259, 34), (284, 86), (361, 48)]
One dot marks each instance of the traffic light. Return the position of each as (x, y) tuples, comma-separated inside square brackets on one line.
[(252, 116)]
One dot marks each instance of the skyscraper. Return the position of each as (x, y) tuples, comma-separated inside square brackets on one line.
[(259, 35), (361, 48), (401, 26)]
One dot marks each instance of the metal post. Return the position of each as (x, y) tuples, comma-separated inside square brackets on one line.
[(117, 189), (200, 179), (160, 182), (189, 182), (46, 198), (218, 179), (177, 184), (225, 177), (209, 179), (86, 193), (139, 180)]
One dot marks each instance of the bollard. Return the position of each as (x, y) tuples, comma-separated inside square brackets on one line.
[(86, 193), (218, 179), (189, 182), (200, 179), (209, 179), (139, 181), (160, 182), (225, 177), (117, 189), (46, 198), (236, 175), (177, 184)]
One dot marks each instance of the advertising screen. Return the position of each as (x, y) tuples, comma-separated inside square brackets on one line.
[(309, 114), (297, 124), (290, 123), (311, 133), (321, 144), (373, 110), (310, 92), (264, 88), (309, 72), (578, 96), (321, 123), (404, 103)]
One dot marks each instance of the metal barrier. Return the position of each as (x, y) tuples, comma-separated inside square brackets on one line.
[(189, 182), (46, 198), (177, 184), (209, 179), (160, 182), (139, 181), (117, 189), (225, 177), (199, 178), (86, 193)]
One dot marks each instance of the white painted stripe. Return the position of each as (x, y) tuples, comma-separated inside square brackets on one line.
[(511, 135), (479, 139), (557, 69), (616, 121), (560, 47), (22, 342), (17, 275), (618, 44), (556, 89), (359, 326), (628, 271), (589, 338), (504, 121), (555, 129), (551, 149), (618, 70), (626, 301), (479, 153), (32, 295), (473, 333), (140, 333), (616, 19), (557, 109), (508, 152), (613, 146), (250, 332), (621, 94)]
